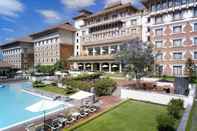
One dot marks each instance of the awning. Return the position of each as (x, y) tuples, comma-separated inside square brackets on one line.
[(81, 95)]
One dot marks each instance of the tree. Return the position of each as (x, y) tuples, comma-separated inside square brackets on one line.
[(189, 68), (60, 65), (138, 58)]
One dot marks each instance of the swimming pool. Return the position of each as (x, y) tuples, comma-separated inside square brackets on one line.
[(13, 101)]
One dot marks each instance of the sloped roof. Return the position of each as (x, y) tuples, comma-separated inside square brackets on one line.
[(65, 26), (26, 39)]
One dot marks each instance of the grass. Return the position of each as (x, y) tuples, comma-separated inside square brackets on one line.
[(191, 125), (53, 89), (138, 116)]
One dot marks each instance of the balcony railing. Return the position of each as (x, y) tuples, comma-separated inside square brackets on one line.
[(112, 35)]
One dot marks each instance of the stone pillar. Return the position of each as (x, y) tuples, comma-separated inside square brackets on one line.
[(101, 51), (84, 67), (94, 51), (110, 67), (120, 68), (109, 50), (92, 67), (100, 67), (118, 47)]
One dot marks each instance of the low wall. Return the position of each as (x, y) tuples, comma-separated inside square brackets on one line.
[(41, 78), (158, 98)]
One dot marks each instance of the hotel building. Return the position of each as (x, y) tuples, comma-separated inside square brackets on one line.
[(18, 53), (101, 35), (53, 44), (173, 31)]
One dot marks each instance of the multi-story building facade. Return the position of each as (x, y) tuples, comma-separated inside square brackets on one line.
[(53, 44), (18, 53), (173, 31), (101, 35)]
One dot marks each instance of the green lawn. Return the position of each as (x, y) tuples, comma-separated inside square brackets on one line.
[(131, 115), (191, 125), (53, 89)]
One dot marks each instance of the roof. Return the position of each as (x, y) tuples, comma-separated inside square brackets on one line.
[(81, 95), (4, 64), (65, 26), (111, 9), (26, 39), (83, 13)]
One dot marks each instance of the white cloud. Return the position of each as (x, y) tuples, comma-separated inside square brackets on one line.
[(76, 4), (7, 29), (50, 16), (10, 8), (135, 3), (111, 1)]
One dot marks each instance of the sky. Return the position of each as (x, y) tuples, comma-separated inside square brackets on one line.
[(19, 18)]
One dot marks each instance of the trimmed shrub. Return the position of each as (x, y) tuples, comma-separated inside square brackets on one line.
[(165, 122), (70, 90), (82, 85), (38, 84), (84, 77), (104, 86), (175, 108)]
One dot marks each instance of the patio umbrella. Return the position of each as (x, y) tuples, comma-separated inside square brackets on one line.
[(44, 105)]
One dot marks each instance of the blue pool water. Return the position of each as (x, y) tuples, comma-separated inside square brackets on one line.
[(13, 102)]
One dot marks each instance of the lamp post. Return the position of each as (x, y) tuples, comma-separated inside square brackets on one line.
[(44, 118)]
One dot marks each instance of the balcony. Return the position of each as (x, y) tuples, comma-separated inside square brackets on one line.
[(168, 9), (112, 35)]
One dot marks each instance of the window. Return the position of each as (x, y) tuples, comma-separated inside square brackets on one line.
[(159, 32), (158, 44), (177, 70), (158, 19), (177, 43), (77, 40), (177, 56), (195, 11), (159, 56), (177, 15), (195, 55), (77, 47), (77, 34), (134, 22), (195, 27), (177, 29), (195, 41)]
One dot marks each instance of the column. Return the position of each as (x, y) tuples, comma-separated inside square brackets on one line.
[(109, 50), (92, 67), (101, 50), (84, 67), (118, 48), (109, 67), (120, 68), (100, 67), (94, 51)]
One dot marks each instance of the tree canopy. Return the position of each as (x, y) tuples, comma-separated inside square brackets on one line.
[(137, 57)]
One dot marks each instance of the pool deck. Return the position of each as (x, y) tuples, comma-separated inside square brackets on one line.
[(107, 102)]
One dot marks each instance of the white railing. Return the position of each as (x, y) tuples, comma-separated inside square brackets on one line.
[(112, 34)]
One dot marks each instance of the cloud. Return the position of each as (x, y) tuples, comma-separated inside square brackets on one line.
[(10, 8), (135, 3), (8, 19), (76, 4), (50, 16), (7, 29)]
